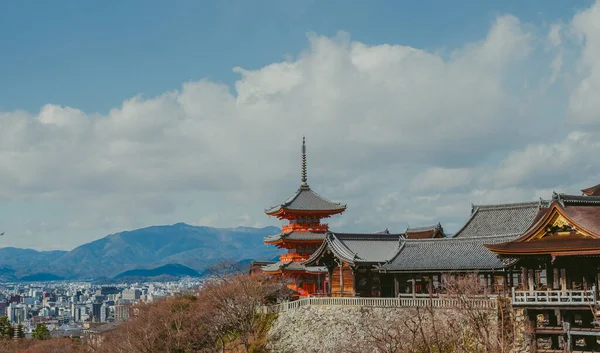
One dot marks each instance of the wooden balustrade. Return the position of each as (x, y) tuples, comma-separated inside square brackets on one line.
[(440, 302), (554, 297)]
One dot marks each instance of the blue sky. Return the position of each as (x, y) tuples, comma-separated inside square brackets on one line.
[(92, 55), (116, 115)]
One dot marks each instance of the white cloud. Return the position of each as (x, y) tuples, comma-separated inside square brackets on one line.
[(584, 104), (403, 135), (441, 179)]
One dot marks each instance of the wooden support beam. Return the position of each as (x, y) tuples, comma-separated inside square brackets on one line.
[(396, 286), (563, 279), (524, 278), (555, 279), (341, 279), (531, 279)]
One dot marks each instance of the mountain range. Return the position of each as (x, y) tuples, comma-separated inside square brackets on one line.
[(196, 247)]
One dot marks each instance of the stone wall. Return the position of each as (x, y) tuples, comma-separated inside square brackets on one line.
[(349, 329)]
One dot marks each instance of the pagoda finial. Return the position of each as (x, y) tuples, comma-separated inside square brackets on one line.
[(304, 183)]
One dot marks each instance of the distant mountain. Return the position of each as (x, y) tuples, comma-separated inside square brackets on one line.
[(41, 277), (171, 270), (23, 261), (193, 246), (7, 274)]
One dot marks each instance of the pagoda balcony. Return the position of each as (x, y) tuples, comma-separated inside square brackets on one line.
[(304, 227), (554, 297), (293, 256)]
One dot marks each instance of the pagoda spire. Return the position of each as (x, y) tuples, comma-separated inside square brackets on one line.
[(304, 179)]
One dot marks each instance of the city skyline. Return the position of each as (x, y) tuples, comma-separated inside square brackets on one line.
[(410, 115)]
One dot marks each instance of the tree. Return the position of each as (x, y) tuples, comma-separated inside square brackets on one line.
[(40, 332), (6, 329)]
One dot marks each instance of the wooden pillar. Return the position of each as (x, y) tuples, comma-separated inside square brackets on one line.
[(329, 288), (555, 279), (563, 279), (430, 285), (414, 285), (531, 279), (524, 278), (553, 322), (530, 330), (354, 271), (485, 284), (396, 286), (510, 279), (341, 279)]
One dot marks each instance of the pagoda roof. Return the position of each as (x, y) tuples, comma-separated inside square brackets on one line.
[(592, 191), (303, 236), (358, 248), (569, 226), (433, 231), (305, 199), (446, 254)]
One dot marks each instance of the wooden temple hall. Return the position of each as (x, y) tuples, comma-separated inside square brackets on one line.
[(544, 255)]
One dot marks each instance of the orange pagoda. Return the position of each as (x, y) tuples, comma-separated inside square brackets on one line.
[(303, 234)]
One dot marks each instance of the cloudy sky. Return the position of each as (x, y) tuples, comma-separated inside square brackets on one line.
[(116, 116)]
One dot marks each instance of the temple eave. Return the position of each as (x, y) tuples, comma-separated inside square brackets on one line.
[(286, 213)]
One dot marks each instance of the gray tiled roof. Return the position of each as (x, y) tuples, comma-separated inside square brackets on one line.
[(359, 248), (496, 220), (276, 266), (292, 266), (307, 200), (449, 254), (295, 236)]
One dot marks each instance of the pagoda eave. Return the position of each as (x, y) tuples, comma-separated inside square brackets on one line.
[(284, 213), (285, 244)]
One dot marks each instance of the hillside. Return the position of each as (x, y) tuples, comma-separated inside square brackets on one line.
[(196, 247), (170, 270)]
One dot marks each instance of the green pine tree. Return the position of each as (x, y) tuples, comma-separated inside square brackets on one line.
[(40, 332), (6, 329)]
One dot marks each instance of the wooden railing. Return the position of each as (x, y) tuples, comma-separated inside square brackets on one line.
[(450, 302), (554, 297), (399, 302)]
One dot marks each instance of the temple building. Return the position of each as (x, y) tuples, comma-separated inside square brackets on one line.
[(558, 258), (544, 256), (303, 234), (428, 232)]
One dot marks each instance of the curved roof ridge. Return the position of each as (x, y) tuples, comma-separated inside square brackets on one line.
[(507, 205), (401, 247), (307, 200), (324, 198), (579, 198), (340, 249), (452, 238), (370, 236)]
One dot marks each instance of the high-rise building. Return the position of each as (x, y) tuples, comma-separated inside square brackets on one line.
[(104, 312), (121, 312), (131, 294), (96, 311)]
